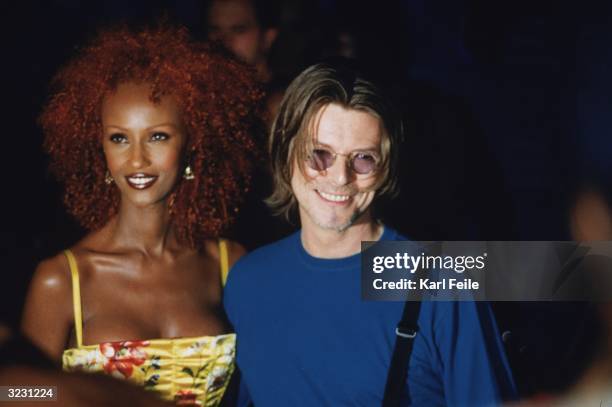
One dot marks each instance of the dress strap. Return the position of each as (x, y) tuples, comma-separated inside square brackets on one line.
[(224, 260), (76, 297)]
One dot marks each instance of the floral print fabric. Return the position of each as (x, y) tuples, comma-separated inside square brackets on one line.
[(190, 371)]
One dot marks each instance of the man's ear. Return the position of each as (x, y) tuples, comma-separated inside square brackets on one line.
[(269, 37)]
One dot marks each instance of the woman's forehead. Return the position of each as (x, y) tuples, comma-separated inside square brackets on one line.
[(130, 99)]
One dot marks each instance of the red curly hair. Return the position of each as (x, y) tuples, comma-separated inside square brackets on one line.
[(220, 104)]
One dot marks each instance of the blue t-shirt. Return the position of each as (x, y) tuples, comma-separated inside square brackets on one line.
[(306, 338)]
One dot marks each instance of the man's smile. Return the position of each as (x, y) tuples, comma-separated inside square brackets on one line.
[(336, 198)]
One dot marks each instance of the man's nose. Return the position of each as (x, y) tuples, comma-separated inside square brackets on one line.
[(224, 37), (339, 172)]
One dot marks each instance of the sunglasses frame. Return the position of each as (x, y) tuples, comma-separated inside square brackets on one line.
[(350, 160)]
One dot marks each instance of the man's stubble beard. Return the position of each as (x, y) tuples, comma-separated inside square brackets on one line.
[(338, 228)]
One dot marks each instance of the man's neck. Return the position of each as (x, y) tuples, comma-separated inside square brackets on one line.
[(333, 244)]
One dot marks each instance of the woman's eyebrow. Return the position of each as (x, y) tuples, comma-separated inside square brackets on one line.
[(148, 128), (165, 124), (115, 127)]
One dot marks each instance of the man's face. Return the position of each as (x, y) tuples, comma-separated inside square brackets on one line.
[(234, 23), (337, 197)]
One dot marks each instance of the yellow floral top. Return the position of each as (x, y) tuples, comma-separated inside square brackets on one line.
[(190, 371)]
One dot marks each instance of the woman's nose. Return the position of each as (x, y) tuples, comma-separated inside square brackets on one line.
[(138, 156)]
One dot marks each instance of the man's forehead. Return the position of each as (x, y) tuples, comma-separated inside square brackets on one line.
[(345, 127), (229, 12)]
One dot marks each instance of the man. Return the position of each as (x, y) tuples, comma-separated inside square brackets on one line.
[(246, 27), (305, 336)]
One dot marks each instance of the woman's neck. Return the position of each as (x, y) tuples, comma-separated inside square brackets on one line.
[(145, 229)]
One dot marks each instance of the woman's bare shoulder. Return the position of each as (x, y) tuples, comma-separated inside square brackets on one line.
[(52, 274), (47, 313)]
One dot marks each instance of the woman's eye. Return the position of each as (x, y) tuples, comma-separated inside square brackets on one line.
[(118, 138), (159, 136)]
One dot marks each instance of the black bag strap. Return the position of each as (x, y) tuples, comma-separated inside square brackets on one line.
[(406, 332)]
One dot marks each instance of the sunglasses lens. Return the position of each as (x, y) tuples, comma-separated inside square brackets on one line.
[(364, 163), (321, 160)]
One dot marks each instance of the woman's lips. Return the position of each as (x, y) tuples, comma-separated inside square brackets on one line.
[(140, 181)]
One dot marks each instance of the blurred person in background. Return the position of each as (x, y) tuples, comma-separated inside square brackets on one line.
[(247, 28), (22, 364), (589, 358)]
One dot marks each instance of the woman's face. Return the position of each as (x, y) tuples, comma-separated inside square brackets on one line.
[(143, 143)]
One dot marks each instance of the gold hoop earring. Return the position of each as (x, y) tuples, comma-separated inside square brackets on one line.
[(108, 179), (188, 173)]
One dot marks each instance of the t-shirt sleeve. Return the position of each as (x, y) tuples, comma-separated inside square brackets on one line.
[(460, 354)]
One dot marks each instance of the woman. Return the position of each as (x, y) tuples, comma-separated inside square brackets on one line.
[(149, 134)]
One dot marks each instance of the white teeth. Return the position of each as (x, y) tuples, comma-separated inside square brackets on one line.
[(140, 180), (334, 198)]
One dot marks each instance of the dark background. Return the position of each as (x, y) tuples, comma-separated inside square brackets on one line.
[(506, 104)]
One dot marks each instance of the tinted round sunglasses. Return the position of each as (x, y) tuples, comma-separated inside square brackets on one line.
[(362, 163)]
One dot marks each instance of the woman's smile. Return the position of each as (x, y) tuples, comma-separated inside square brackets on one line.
[(140, 180)]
